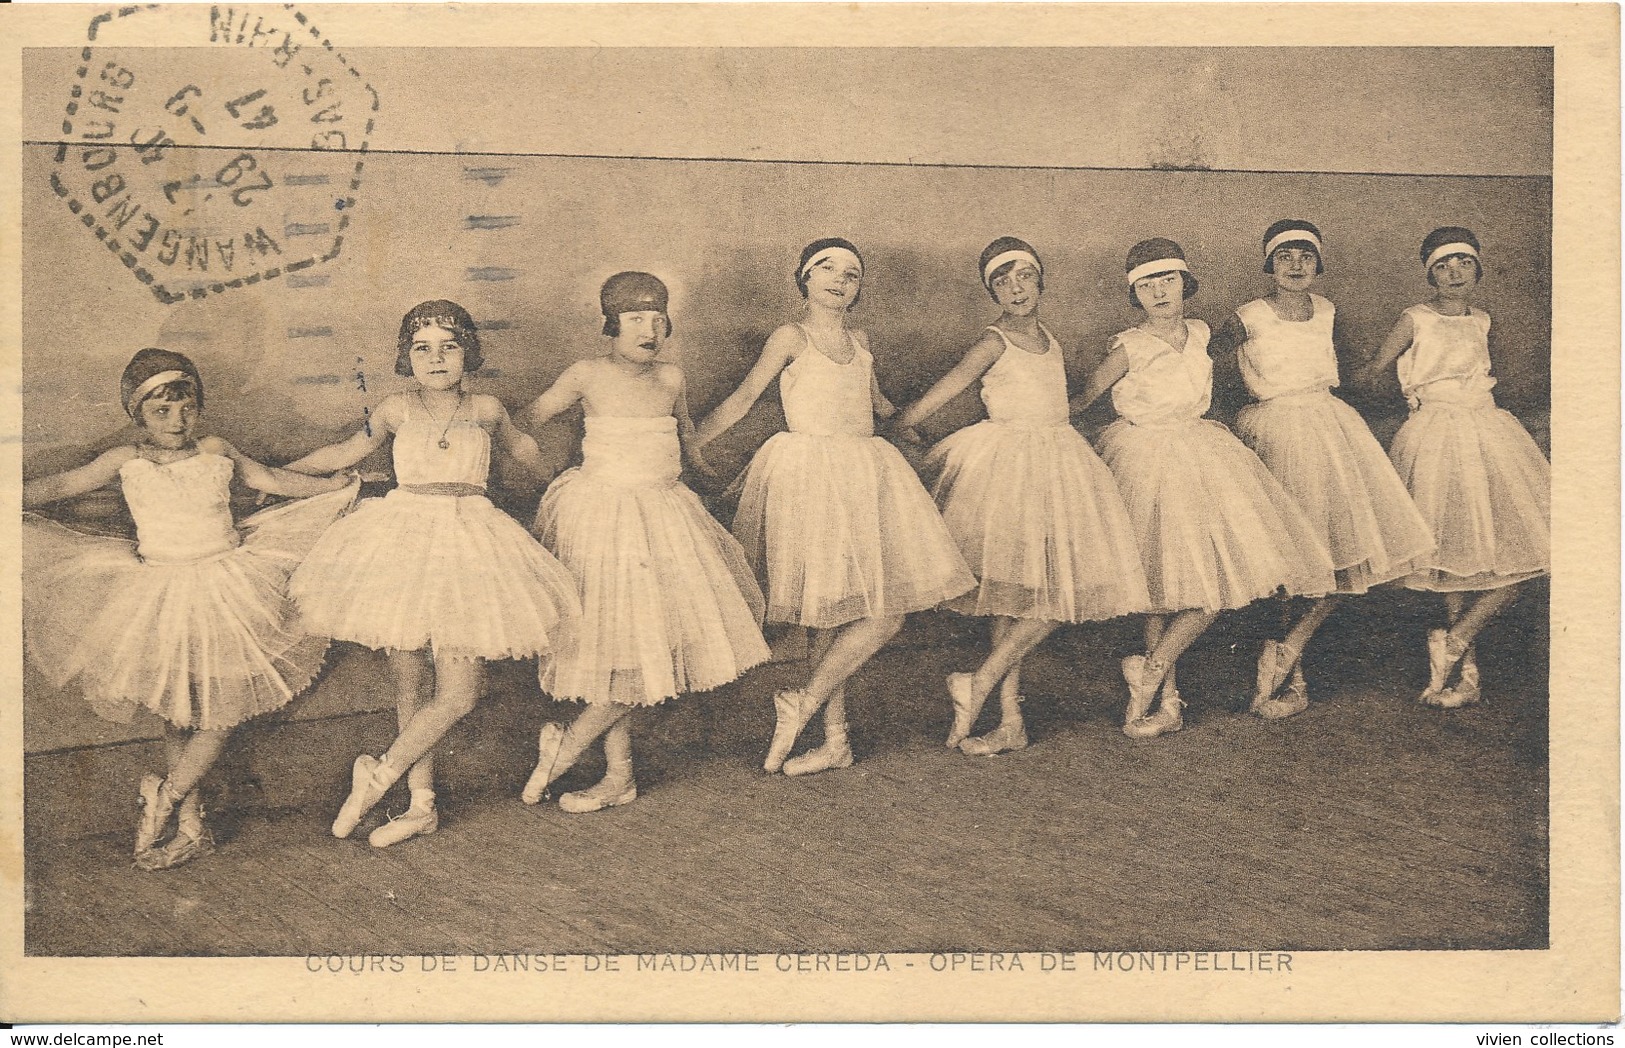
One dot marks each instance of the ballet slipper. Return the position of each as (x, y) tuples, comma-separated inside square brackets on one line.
[(1002, 739), (1165, 721), (184, 847), (1270, 702), (419, 820), (1443, 657), (157, 805), (365, 792), (836, 752), (966, 707), (1465, 692), (788, 707), (548, 741), (609, 793), (1142, 676)]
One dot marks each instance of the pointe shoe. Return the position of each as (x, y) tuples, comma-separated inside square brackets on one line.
[(365, 792), (1165, 721), (834, 753), (548, 742), (419, 820), (1142, 686), (189, 843), (156, 807), (1465, 692), (966, 708), (1273, 703), (791, 718), (605, 794), (1441, 661), (1000, 740)]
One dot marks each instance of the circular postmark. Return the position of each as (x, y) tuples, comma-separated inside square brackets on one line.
[(233, 160)]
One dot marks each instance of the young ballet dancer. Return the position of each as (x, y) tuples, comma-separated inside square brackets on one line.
[(1481, 483), (831, 515), (432, 573), (191, 620), (669, 602), (1317, 447), (1215, 530), (1033, 509)]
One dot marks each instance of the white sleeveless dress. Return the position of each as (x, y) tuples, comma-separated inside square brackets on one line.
[(1215, 528), (1322, 451), (669, 602), (192, 620), (450, 573), (1477, 477), (832, 517), (1034, 510)]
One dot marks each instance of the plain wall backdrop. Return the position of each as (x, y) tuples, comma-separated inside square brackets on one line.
[(1080, 152)]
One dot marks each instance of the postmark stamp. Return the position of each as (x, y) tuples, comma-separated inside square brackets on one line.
[(234, 161)]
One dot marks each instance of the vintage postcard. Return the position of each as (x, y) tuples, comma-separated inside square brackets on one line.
[(811, 512)]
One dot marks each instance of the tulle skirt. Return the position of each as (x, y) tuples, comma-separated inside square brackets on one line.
[(1040, 522), (669, 603), (1324, 455), (841, 529), (204, 644), (454, 574), (1215, 529), (1484, 488)]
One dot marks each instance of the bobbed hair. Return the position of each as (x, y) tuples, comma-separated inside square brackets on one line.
[(821, 245), (1449, 235), (999, 247), (438, 313), (1288, 224)]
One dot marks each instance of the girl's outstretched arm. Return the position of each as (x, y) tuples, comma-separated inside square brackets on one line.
[(75, 482), (981, 356), (1105, 376), (685, 429), (776, 356), (519, 445), (269, 479), (882, 407), (346, 453), (1370, 374), (565, 392)]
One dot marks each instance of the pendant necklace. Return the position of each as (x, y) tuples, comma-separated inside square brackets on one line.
[(443, 443)]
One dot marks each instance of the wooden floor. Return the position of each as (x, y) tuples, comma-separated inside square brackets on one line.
[(1368, 822)]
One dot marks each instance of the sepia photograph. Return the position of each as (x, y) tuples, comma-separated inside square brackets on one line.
[(772, 512)]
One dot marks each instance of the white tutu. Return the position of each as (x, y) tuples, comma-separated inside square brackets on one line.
[(1041, 523), (205, 643), (669, 603), (841, 529), (1215, 529), (1324, 455), (411, 571), (1483, 487)]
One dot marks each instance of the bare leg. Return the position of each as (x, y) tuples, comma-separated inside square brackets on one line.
[(457, 689), (1298, 639), (854, 644), (618, 786), (1013, 639), (559, 750), (188, 756), (1166, 641), (414, 689)]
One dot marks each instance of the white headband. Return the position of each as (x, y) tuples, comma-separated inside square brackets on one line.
[(831, 252), (1287, 236), (163, 378), (1450, 249), (1161, 265), (1000, 259)]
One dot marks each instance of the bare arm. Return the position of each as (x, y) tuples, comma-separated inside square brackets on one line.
[(270, 479), (519, 445), (776, 356), (685, 429), (346, 453), (76, 482), (565, 392), (1105, 376), (981, 356), (1398, 341)]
